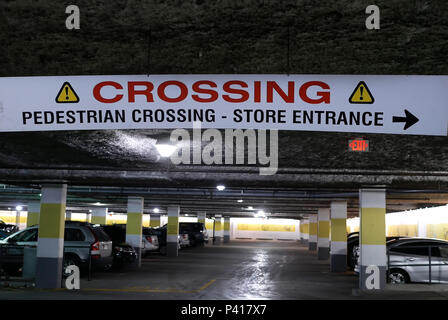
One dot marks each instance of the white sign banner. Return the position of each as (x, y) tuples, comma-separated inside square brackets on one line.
[(340, 103)]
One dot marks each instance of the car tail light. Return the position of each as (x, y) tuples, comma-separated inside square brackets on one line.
[(149, 238), (95, 246)]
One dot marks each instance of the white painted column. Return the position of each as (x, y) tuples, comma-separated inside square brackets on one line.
[(172, 233), (338, 246), (323, 234), (372, 240), (312, 242), (50, 244), (134, 225)]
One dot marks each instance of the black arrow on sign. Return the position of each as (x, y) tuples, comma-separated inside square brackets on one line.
[(409, 119)]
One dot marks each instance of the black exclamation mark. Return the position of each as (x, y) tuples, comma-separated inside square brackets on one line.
[(361, 88), (66, 93)]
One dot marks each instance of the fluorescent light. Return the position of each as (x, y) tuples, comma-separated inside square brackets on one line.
[(97, 204), (260, 214), (165, 150), (250, 208), (156, 210), (220, 187), (240, 200), (19, 208)]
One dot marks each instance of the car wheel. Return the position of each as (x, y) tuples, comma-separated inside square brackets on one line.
[(397, 276)]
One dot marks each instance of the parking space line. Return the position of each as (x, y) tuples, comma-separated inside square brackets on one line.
[(147, 290)]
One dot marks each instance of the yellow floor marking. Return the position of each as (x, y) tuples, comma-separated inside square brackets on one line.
[(147, 290)]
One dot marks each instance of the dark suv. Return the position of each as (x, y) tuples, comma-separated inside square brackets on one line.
[(197, 233), (82, 241)]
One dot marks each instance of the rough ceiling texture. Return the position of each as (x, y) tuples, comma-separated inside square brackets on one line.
[(228, 36)]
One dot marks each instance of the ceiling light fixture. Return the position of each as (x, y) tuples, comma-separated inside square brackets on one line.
[(220, 187), (165, 150)]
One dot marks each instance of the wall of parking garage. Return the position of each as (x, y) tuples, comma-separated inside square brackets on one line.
[(264, 229), (427, 222)]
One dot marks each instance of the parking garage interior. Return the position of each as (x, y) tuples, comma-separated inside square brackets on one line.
[(282, 236)]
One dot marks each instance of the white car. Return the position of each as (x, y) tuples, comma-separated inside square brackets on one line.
[(150, 243), (184, 240)]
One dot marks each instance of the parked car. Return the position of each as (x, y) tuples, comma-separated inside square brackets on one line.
[(122, 252), (409, 260), (3, 234), (184, 240), (161, 236), (353, 249), (197, 233), (144, 247), (9, 228), (151, 240), (81, 239)]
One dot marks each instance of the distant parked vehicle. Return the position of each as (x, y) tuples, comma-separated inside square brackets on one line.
[(184, 240), (123, 253), (196, 231), (410, 260), (151, 240), (80, 240), (9, 228), (161, 236), (142, 245)]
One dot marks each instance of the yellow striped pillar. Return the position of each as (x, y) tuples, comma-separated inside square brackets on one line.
[(304, 231), (323, 234), (312, 242), (218, 230), (50, 244), (172, 233), (134, 226), (99, 216), (226, 229), (154, 220), (338, 246), (372, 236), (201, 217), (32, 218)]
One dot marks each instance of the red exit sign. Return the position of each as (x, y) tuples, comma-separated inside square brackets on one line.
[(358, 145)]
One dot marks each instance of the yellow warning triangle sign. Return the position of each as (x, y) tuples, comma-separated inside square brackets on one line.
[(67, 94), (361, 94)]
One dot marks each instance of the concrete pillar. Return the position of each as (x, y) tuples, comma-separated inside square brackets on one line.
[(218, 230), (32, 218), (154, 220), (372, 241), (172, 233), (201, 217), (304, 231), (99, 215), (338, 247), (323, 234), (312, 242), (50, 245), (134, 226), (18, 218), (226, 229)]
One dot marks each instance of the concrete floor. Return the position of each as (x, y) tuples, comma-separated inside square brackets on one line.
[(240, 270)]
